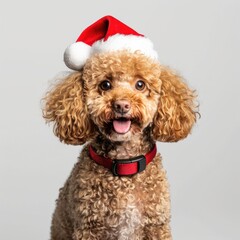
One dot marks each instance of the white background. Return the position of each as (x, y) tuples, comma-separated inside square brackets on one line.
[(200, 39)]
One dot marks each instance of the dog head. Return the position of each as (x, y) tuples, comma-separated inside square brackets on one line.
[(119, 95)]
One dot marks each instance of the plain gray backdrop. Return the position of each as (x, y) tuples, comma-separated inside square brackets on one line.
[(200, 39)]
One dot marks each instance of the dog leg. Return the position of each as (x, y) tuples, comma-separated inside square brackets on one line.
[(58, 232), (153, 232), (94, 234), (60, 228)]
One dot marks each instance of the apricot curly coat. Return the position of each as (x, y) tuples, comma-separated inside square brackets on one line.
[(94, 204)]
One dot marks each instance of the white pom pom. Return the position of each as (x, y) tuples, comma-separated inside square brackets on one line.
[(76, 54)]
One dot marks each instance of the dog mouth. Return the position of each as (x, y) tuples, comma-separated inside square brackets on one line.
[(121, 125)]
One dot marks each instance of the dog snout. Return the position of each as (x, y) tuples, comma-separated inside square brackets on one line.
[(122, 106)]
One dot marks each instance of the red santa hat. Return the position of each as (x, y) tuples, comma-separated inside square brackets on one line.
[(106, 34)]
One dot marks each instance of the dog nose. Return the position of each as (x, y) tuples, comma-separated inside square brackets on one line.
[(121, 106)]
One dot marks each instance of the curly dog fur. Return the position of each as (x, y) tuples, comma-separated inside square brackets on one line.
[(94, 204)]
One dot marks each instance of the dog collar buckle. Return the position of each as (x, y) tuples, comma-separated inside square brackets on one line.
[(122, 167)]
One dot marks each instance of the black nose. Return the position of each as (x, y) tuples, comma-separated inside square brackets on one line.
[(121, 106)]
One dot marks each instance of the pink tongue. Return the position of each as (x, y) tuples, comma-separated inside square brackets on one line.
[(121, 126)]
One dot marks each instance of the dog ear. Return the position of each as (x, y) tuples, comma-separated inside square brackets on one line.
[(176, 112), (65, 106)]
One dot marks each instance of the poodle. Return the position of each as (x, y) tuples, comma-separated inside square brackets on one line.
[(120, 103), (95, 106)]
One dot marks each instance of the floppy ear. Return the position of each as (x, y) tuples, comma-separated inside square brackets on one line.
[(176, 112), (65, 106)]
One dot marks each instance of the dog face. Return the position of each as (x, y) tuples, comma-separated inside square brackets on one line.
[(119, 94), (122, 93)]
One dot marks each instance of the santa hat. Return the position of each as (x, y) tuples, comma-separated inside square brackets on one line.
[(107, 34)]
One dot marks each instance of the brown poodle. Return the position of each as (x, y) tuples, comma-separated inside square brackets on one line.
[(120, 103)]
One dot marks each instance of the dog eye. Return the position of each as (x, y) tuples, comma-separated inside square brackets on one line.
[(140, 85), (105, 85)]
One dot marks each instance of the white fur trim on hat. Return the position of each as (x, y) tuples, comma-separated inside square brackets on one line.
[(129, 42), (76, 55)]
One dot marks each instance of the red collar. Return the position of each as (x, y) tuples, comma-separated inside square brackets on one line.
[(124, 167)]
